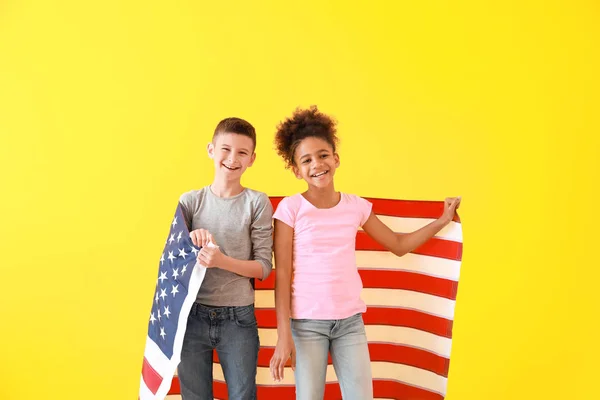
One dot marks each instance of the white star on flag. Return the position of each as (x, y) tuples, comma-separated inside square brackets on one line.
[(163, 276), (182, 253)]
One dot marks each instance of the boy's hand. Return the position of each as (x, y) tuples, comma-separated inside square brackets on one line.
[(210, 257), (201, 237), (451, 204)]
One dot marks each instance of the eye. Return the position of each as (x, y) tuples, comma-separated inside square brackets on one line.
[(306, 161), (243, 153), (324, 155), (225, 149)]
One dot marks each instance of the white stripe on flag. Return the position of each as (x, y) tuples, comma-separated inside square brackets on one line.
[(406, 299), (384, 334), (426, 265), (452, 231)]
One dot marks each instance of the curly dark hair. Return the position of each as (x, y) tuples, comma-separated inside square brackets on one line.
[(302, 124)]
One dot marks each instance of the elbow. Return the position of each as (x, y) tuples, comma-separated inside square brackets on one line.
[(400, 252)]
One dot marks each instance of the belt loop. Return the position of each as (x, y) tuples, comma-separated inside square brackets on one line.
[(231, 314)]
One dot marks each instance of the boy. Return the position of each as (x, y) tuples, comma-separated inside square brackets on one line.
[(238, 221)]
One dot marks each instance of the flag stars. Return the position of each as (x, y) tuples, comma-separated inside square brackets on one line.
[(179, 236), (184, 269), (182, 253), (162, 333), (162, 258), (166, 311), (163, 276), (174, 221), (175, 273), (172, 238), (171, 257), (156, 298), (158, 313), (174, 291), (163, 293), (152, 319), (194, 250)]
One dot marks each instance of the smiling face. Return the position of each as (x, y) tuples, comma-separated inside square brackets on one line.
[(315, 162), (232, 154)]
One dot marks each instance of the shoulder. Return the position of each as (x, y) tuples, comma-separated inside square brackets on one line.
[(259, 200), (191, 196), (354, 199), (291, 202)]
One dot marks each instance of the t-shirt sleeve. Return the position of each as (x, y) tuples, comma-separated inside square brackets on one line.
[(285, 212), (365, 207), (262, 234), (186, 201)]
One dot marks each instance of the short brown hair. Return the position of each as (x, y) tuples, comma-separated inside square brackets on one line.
[(236, 125), (302, 124)]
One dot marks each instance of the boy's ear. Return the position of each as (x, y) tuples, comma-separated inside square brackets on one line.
[(210, 148), (252, 159)]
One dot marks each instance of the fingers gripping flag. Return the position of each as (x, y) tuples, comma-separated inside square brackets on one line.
[(178, 280), (409, 318)]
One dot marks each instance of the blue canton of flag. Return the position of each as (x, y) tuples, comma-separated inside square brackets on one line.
[(178, 280)]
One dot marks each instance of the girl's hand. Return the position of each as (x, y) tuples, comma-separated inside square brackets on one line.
[(210, 256), (201, 237), (450, 206), (284, 350)]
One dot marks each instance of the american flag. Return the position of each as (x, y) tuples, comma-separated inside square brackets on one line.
[(410, 313), (178, 280)]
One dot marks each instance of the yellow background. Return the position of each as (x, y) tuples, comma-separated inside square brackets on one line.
[(106, 108)]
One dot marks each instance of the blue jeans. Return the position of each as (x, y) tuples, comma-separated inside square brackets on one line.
[(233, 332), (347, 342)]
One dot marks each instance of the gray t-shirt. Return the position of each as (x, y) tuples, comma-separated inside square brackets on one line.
[(242, 226)]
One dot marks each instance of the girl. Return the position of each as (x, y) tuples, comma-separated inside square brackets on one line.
[(320, 309)]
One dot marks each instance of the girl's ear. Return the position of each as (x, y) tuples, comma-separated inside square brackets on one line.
[(296, 172)]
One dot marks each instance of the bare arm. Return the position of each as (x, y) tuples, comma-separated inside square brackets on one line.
[(402, 243), (284, 236)]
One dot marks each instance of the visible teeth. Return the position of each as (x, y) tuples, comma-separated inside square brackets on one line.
[(231, 168), (319, 174)]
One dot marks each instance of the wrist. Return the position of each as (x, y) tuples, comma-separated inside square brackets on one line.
[(224, 262)]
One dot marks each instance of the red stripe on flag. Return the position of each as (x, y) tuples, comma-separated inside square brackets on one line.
[(393, 353), (381, 388), (151, 378), (409, 208), (393, 316), (390, 279), (434, 247), (398, 208)]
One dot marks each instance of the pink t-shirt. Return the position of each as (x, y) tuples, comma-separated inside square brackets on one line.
[(325, 282)]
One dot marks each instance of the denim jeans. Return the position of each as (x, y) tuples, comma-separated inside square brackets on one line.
[(233, 332), (347, 342)]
